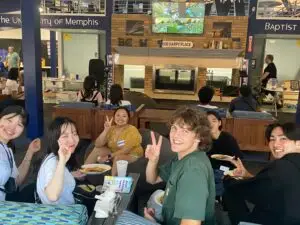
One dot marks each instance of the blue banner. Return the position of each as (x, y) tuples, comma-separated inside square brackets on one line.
[(59, 21)]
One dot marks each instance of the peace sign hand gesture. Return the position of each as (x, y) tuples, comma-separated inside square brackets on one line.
[(153, 151), (108, 123)]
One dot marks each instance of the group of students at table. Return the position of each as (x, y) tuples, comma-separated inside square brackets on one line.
[(190, 192)]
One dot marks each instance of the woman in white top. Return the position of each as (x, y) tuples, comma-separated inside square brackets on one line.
[(13, 119), (55, 183), (89, 92), (116, 96)]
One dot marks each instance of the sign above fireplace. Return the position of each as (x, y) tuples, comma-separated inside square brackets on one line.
[(177, 44)]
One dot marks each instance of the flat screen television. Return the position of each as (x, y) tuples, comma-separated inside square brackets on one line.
[(178, 17)]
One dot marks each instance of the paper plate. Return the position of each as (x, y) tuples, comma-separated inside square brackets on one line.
[(221, 157), (94, 169)]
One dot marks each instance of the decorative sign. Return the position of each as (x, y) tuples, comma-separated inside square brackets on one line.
[(58, 21), (177, 44), (275, 27)]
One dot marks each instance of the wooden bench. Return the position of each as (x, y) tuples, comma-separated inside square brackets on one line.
[(249, 133), (90, 121)]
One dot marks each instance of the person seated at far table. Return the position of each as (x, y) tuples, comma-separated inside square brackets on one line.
[(245, 102), (89, 92), (12, 86), (116, 97), (190, 192), (205, 95), (274, 191), (118, 141)]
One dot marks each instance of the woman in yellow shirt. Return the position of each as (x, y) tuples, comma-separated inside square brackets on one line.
[(120, 141)]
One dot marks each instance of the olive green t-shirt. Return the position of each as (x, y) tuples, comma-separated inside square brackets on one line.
[(190, 191)]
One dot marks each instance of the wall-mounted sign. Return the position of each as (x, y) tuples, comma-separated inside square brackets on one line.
[(275, 27), (58, 21), (177, 44)]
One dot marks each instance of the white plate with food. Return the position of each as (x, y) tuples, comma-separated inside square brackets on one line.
[(221, 157), (94, 169), (160, 198)]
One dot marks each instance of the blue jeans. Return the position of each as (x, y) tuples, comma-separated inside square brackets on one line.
[(219, 182)]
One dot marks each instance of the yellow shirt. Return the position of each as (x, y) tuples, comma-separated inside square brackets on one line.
[(128, 138)]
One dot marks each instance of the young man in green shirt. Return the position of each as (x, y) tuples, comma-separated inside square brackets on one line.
[(12, 58), (190, 192)]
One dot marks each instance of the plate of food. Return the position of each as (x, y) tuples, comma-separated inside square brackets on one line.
[(160, 198), (221, 157), (94, 169)]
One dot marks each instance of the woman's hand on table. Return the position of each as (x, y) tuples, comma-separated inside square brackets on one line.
[(149, 214)]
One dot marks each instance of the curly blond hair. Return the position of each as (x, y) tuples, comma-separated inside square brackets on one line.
[(197, 122)]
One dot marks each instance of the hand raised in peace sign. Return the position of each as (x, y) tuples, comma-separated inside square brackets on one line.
[(108, 123), (153, 151)]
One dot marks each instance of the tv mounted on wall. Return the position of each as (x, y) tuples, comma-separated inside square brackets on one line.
[(178, 17)]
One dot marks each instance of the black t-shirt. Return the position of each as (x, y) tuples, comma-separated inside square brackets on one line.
[(274, 192), (271, 68), (226, 145)]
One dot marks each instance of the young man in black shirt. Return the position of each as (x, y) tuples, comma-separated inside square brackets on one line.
[(274, 191), (269, 72)]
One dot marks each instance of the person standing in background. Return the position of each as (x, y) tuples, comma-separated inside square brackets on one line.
[(12, 59), (269, 72)]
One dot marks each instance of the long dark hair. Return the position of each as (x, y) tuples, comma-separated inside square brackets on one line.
[(116, 94), (89, 86), (54, 132)]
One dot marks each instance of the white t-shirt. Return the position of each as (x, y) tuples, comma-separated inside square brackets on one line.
[(208, 106), (45, 175), (123, 102), (5, 169), (10, 86)]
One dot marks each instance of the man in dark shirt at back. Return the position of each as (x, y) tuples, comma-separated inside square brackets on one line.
[(269, 72), (245, 102)]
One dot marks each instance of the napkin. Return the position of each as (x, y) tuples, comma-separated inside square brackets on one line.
[(105, 204)]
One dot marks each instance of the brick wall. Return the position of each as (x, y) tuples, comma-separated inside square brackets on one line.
[(239, 30)]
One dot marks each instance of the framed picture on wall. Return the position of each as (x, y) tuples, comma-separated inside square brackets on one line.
[(135, 27)]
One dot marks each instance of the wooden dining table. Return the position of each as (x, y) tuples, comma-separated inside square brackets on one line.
[(123, 205)]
